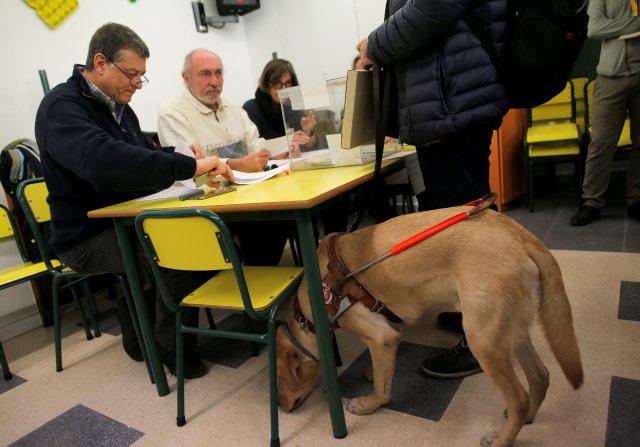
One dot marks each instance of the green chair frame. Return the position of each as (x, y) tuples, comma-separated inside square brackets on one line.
[(32, 195), (206, 244)]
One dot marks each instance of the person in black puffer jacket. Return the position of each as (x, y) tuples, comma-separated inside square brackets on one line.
[(449, 104)]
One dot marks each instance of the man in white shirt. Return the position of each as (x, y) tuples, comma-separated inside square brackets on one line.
[(200, 116)]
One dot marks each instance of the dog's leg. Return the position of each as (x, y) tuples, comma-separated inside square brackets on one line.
[(536, 373), (495, 358), (382, 341)]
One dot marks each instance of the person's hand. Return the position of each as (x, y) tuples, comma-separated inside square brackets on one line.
[(215, 167), (361, 48), (197, 150), (391, 140), (299, 138), (252, 162), (294, 150), (308, 122)]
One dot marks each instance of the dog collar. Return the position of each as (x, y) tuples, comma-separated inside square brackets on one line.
[(300, 318), (298, 345)]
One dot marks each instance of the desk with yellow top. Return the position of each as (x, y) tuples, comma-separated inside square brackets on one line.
[(295, 197)]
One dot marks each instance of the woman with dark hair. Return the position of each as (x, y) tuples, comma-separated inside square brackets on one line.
[(265, 111)]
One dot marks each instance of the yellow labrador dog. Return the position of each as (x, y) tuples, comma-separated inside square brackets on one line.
[(501, 277)]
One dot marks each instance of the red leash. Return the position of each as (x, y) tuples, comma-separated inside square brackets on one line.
[(479, 205)]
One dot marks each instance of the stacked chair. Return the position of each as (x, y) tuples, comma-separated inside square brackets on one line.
[(552, 136)]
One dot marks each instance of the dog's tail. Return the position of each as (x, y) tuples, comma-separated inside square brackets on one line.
[(555, 314)]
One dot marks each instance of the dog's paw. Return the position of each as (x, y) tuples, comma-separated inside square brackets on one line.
[(361, 405), (488, 439)]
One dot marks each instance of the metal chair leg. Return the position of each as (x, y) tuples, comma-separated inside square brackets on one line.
[(212, 324), (93, 310), (83, 318), (273, 382), (5, 365), (255, 350), (56, 323), (180, 419)]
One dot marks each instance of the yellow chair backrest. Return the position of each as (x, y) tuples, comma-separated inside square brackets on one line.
[(6, 229), (559, 108), (186, 243), (36, 195)]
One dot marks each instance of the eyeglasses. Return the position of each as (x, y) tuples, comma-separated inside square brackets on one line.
[(133, 80), (280, 85)]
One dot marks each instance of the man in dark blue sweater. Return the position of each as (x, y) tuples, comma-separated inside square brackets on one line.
[(95, 155)]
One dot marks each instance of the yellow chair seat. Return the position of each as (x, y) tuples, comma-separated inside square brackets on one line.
[(552, 132), (625, 135), (554, 149), (22, 272), (265, 284)]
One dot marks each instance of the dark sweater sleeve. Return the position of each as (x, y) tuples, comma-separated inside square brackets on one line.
[(74, 140), (418, 26), (251, 107)]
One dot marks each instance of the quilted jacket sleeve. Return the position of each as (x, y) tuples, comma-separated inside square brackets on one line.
[(416, 26)]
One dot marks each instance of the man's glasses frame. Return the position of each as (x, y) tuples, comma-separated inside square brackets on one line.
[(133, 80)]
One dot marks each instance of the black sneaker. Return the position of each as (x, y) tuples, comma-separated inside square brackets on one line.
[(586, 214), (634, 211), (451, 321), (194, 368), (455, 363)]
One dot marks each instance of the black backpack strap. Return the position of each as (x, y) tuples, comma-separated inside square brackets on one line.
[(381, 92)]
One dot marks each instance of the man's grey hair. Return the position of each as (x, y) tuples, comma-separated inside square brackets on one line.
[(111, 39), (186, 67)]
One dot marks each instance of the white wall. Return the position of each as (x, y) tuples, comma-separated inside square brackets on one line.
[(318, 36)]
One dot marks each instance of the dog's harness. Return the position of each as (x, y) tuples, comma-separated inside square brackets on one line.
[(341, 290)]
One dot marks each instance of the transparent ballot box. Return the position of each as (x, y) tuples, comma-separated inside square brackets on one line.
[(338, 122)]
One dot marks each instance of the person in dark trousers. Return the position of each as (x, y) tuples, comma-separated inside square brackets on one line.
[(449, 103), (94, 154), (616, 94)]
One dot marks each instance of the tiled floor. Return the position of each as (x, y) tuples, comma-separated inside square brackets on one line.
[(102, 398)]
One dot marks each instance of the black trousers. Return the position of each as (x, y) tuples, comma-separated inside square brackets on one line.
[(456, 169), (101, 253)]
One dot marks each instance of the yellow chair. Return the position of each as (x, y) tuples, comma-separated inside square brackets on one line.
[(205, 244), (32, 196), (553, 136), (17, 274), (624, 142)]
